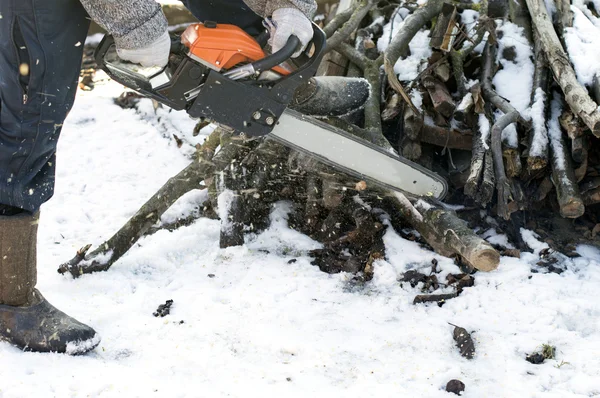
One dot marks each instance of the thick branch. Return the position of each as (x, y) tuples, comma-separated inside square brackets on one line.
[(511, 115), (189, 178), (339, 19), (343, 33)]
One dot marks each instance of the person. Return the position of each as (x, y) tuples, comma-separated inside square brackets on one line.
[(40, 59)]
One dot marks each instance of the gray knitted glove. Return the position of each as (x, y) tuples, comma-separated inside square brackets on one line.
[(154, 54), (290, 21)]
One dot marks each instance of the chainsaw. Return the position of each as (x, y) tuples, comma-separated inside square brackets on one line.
[(220, 73)]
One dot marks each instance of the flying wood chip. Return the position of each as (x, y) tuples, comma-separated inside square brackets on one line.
[(361, 186)]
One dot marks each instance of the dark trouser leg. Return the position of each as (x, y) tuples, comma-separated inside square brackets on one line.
[(234, 12), (40, 58)]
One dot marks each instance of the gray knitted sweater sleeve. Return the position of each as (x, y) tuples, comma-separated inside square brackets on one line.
[(138, 23), (265, 8), (133, 23)]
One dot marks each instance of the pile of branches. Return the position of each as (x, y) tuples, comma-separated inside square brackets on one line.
[(438, 119)]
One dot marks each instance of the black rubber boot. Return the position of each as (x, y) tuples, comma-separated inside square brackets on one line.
[(27, 320), (331, 95)]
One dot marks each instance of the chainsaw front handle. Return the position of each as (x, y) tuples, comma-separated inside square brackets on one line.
[(278, 57)]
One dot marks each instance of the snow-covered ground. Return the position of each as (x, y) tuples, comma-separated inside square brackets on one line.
[(246, 322)]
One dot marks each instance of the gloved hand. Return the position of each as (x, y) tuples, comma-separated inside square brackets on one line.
[(290, 21), (155, 54)]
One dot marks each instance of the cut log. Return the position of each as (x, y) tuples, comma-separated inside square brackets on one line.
[(512, 159), (464, 109), (410, 144), (563, 177), (450, 235), (440, 97), (480, 183)]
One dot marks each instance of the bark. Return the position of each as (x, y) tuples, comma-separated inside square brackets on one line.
[(437, 298), (351, 25), (340, 18), (579, 149), (564, 15), (563, 178), (410, 145), (543, 189), (449, 235), (596, 88), (519, 15), (576, 96), (579, 153)]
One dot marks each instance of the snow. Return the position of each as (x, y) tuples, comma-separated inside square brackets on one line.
[(79, 347), (538, 120), (484, 128), (583, 42), (409, 67), (492, 236), (224, 202), (246, 321), (515, 79), (391, 28), (582, 5)]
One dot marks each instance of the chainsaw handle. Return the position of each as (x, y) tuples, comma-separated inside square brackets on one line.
[(105, 44), (285, 87), (278, 57)]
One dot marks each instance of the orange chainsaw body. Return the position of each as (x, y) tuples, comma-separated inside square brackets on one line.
[(223, 46)]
